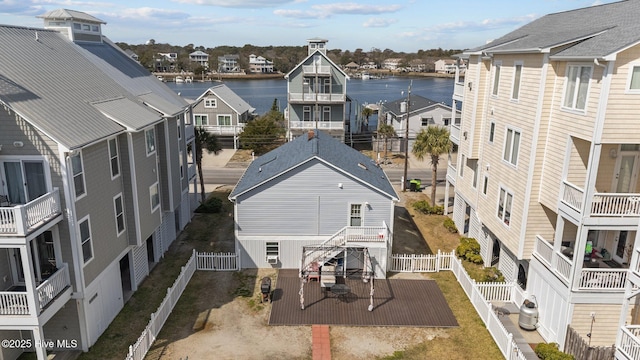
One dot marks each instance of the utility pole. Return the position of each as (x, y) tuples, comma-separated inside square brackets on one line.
[(406, 139)]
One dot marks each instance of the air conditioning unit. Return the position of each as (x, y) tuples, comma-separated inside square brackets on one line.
[(272, 259)]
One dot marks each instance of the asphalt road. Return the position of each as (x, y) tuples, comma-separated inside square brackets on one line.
[(230, 176)]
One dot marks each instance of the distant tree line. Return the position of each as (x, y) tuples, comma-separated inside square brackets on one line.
[(284, 58)]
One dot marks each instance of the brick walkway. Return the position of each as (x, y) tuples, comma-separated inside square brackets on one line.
[(321, 342)]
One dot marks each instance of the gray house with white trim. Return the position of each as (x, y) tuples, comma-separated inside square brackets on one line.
[(311, 191), (93, 176)]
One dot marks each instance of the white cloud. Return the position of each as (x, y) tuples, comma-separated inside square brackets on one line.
[(237, 3), (300, 14), (358, 9), (379, 22)]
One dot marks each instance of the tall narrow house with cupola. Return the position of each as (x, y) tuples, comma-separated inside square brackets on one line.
[(94, 180), (317, 95), (546, 173)]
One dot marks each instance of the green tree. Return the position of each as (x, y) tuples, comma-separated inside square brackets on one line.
[(386, 131), (263, 134), (366, 112), (204, 140), (433, 141)]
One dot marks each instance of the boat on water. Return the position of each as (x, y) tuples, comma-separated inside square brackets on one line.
[(179, 79), (188, 80), (365, 76), (160, 78)]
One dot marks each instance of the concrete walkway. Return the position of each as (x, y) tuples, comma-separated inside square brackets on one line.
[(508, 315)]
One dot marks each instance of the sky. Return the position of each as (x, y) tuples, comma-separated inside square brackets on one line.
[(402, 26)]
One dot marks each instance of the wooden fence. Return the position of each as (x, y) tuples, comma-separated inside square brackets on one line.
[(575, 345)]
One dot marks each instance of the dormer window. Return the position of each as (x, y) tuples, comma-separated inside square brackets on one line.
[(77, 26)]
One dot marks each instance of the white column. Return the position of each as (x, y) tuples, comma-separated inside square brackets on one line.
[(29, 281), (39, 344)]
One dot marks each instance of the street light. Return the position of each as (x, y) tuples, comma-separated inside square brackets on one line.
[(406, 139)]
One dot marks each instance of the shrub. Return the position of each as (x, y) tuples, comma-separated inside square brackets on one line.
[(211, 206), (424, 207), (450, 225), (491, 274), (469, 250), (550, 352)]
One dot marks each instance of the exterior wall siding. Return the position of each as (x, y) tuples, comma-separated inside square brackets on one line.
[(98, 203), (604, 328), (140, 263), (146, 175), (221, 109), (622, 108), (308, 201)]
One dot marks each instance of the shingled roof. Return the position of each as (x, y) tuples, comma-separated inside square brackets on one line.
[(592, 32), (320, 146)]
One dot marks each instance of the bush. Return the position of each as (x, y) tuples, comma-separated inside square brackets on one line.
[(491, 274), (450, 225), (424, 207), (469, 250), (213, 205), (550, 352)]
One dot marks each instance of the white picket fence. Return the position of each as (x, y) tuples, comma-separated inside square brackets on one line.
[(217, 261), (138, 350), (480, 294)]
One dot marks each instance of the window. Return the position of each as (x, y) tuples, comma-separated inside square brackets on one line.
[(426, 121), (306, 113), (517, 75), (474, 166), (150, 136), (154, 194), (95, 28), (446, 121), (179, 129), (511, 146), (272, 248), (181, 165), (485, 184), (119, 213), (77, 26), (496, 77), (113, 156), (634, 79), (78, 175), (577, 86), (492, 131), (326, 113), (86, 27), (504, 206), (355, 215), (462, 165), (202, 120), (85, 239), (210, 103), (327, 86), (224, 120)]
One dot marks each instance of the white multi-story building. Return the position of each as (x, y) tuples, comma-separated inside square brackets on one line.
[(546, 174), (258, 64)]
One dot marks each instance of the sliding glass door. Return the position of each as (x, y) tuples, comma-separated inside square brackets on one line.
[(25, 180)]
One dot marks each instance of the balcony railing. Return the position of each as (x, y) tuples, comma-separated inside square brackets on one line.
[(572, 195), (544, 250), (451, 172), (16, 303), (612, 204), (458, 91), (603, 279), (22, 219), (555, 261), (224, 129), (317, 97), (189, 131), (455, 132), (366, 233), (316, 69), (629, 344), (191, 170), (331, 125)]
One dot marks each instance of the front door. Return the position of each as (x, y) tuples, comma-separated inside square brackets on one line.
[(25, 180), (622, 241), (626, 175)]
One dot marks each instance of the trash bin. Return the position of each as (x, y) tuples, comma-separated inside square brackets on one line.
[(528, 317), (415, 184)]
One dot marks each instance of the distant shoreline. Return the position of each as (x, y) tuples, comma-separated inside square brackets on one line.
[(241, 76)]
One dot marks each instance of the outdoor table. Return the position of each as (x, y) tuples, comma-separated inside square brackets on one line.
[(341, 291)]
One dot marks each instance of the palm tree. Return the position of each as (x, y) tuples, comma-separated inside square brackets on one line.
[(204, 140), (434, 140), (386, 131), (366, 112)]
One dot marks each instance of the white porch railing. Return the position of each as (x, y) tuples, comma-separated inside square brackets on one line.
[(13, 303), (316, 69), (562, 265), (189, 131), (217, 261), (366, 233), (572, 195), (54, 285), (319, 97), (316, 124), (454, 132), (224, 129), (544, 250), (191, 170), (603, 279), (458, 91), (615, 204), (21, 219), (629, 342)]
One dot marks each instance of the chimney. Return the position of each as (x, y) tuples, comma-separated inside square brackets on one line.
[(310, 135)]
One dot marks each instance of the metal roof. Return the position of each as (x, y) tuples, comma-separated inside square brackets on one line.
[(418, 103), (592, 32), (128, 113), (224, 93), (65, 14), (55, 85), (323, 148)]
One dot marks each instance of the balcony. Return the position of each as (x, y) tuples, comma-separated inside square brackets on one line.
[(589, 279), (316, 69), (454, 133), (458, 91), (16, 302), (327, 125), (224, 130), (601, 205), (629, 346), (189, 131), (191, 171), (451, 174), (20, 220), (311, 97)]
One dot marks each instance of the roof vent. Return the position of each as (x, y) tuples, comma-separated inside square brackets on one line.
[(310, 135), (363, 166)]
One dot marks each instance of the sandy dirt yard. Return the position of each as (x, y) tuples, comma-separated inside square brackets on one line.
[(212, 322)]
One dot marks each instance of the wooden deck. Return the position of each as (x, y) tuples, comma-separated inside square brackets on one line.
[(417, 303)]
